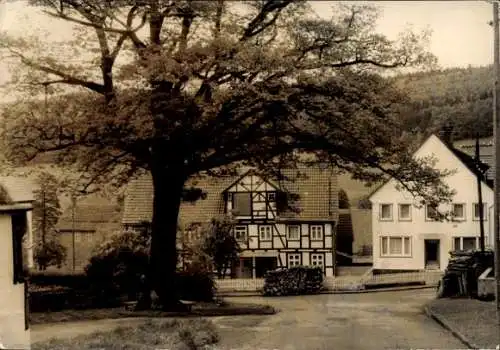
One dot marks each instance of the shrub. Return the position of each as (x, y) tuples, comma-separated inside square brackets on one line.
[(68, 280), (117, 266), (221, 246), (196, 286), (293, 281), (50, 253)]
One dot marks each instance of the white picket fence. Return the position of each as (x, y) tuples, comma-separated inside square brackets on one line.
[(337, 283)]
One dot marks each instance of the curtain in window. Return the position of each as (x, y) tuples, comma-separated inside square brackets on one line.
[(242, 203), (396, 245)]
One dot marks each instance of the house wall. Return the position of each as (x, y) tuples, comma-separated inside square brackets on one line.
[(280, 247), (85, 243), (12, 317), (419, 228)]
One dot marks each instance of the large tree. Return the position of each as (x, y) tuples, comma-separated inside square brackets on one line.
[(46, 213), (205, 86)]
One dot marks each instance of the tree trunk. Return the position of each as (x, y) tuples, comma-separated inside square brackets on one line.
[(168, 183)]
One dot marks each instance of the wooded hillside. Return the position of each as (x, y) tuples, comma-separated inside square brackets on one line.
[(460, 98)]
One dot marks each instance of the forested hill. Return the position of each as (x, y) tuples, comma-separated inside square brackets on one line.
[(460, 98)]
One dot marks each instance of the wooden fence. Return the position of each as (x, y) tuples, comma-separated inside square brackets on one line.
[(338, 283)]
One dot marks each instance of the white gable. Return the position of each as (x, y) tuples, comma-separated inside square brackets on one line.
[(252, 183), (463, 180)]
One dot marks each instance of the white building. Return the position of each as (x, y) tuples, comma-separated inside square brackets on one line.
[(15, 225), (406, 237)]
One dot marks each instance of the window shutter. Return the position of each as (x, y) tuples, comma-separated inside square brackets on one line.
[(281, 201)]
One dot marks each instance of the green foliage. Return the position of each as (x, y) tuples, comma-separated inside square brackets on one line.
[(297, 280), (245, 83), (343, 200), (46, 213), (50, 253), (117, 265), (456, 97), (196, 286), (221, 246), (364, 203)]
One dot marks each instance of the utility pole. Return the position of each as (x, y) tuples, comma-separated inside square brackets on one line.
[(496, 141), (480, 195)]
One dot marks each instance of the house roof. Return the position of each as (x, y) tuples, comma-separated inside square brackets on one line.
[(88, 217), (315, 201), (16, 189), (465, 158), (486, 152)]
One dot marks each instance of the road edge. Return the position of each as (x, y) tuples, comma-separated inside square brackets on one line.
[(360, 291), (443, 323)]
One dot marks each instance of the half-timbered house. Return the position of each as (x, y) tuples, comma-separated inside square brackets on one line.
[(277, 223)]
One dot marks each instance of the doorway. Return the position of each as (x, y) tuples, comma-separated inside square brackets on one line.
[(264, 264), (431, 254)]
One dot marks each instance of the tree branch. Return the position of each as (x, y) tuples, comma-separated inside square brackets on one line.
[(66, 78)]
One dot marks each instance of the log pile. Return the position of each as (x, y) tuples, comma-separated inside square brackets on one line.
[(464, 268), (298, 280)]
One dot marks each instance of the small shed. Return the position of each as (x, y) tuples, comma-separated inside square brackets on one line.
[(15, 204)]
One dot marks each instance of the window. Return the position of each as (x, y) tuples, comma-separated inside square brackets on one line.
[(317, 260), (469, 243), (293, 232), (385, 212), (316, 232), (265, 232), (240, 233), (405, 212), (476, 211), (458, 211), (465, 243), (293, 260), (396, 246), (431, 212), (242, 203), (271, 197), (84, 237)]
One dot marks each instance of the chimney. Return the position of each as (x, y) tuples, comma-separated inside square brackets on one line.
[(446, 133)]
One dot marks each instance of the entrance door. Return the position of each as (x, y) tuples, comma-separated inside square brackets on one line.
[(264, 264), (432, 254)]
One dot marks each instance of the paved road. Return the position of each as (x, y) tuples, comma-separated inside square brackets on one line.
[(387, 320)]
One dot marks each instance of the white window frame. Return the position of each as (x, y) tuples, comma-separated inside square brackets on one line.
[(456, 218), (318, 258), (400, 218), (266, 232), (288, 237), (381, 218), (427, 217), (485, 211), (294, 260), (316, 232), (461, 240), (240, 229), (388, 254)]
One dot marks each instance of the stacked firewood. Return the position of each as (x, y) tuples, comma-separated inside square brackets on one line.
[(293, 281), (464, 268)]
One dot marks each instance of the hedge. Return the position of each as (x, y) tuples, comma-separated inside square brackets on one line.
[(68, 280), (298, 280)]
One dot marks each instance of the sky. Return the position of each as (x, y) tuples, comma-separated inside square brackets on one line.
[(461, 35)]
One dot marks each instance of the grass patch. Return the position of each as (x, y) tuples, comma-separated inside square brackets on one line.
[(199, 309), (152, 334)]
